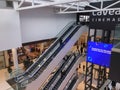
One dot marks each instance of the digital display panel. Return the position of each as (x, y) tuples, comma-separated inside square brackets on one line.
[(99, 53)]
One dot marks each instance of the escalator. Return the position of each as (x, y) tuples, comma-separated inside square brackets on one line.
[(46, 57), (55, 72), (66, 70), (50, 58), (56, 80), (57, 75)]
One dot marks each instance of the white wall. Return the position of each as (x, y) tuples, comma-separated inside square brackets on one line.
[(10, 35), (42, 23)]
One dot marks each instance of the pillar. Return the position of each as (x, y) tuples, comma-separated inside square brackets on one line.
[(42, 47), (15, 58), (6, 58)]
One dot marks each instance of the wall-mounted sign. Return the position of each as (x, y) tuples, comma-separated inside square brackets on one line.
[(106, 19)]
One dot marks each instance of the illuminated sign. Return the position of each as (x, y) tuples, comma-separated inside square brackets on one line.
[(99, 53), (106, 16), (104, 19)]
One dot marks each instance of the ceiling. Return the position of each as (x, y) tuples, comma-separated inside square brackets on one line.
[(66, 4)]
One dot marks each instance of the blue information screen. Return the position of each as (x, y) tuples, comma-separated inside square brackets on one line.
[(99, 53)]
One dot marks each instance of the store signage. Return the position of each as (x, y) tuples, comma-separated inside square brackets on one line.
[(102, 16), (106, 12), (106, 19)]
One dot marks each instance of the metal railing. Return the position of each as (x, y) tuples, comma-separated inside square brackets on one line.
[(42, 59)]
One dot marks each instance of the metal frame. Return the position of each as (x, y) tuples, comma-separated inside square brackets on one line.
[(101, 78), (73, 4), (89, 76), (89, 69), (38, 4), (94, 8), (102, 71)]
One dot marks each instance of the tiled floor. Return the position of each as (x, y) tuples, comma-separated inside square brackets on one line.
[(4, 75)]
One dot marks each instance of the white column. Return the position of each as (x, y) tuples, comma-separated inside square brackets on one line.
[(14, 50), (6, 58), (15, 58), (41, 47)]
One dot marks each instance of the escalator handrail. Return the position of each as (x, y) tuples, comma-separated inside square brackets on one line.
[(70, 35), (74, 30), (38, 69), (44, 53), (55, 50)]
